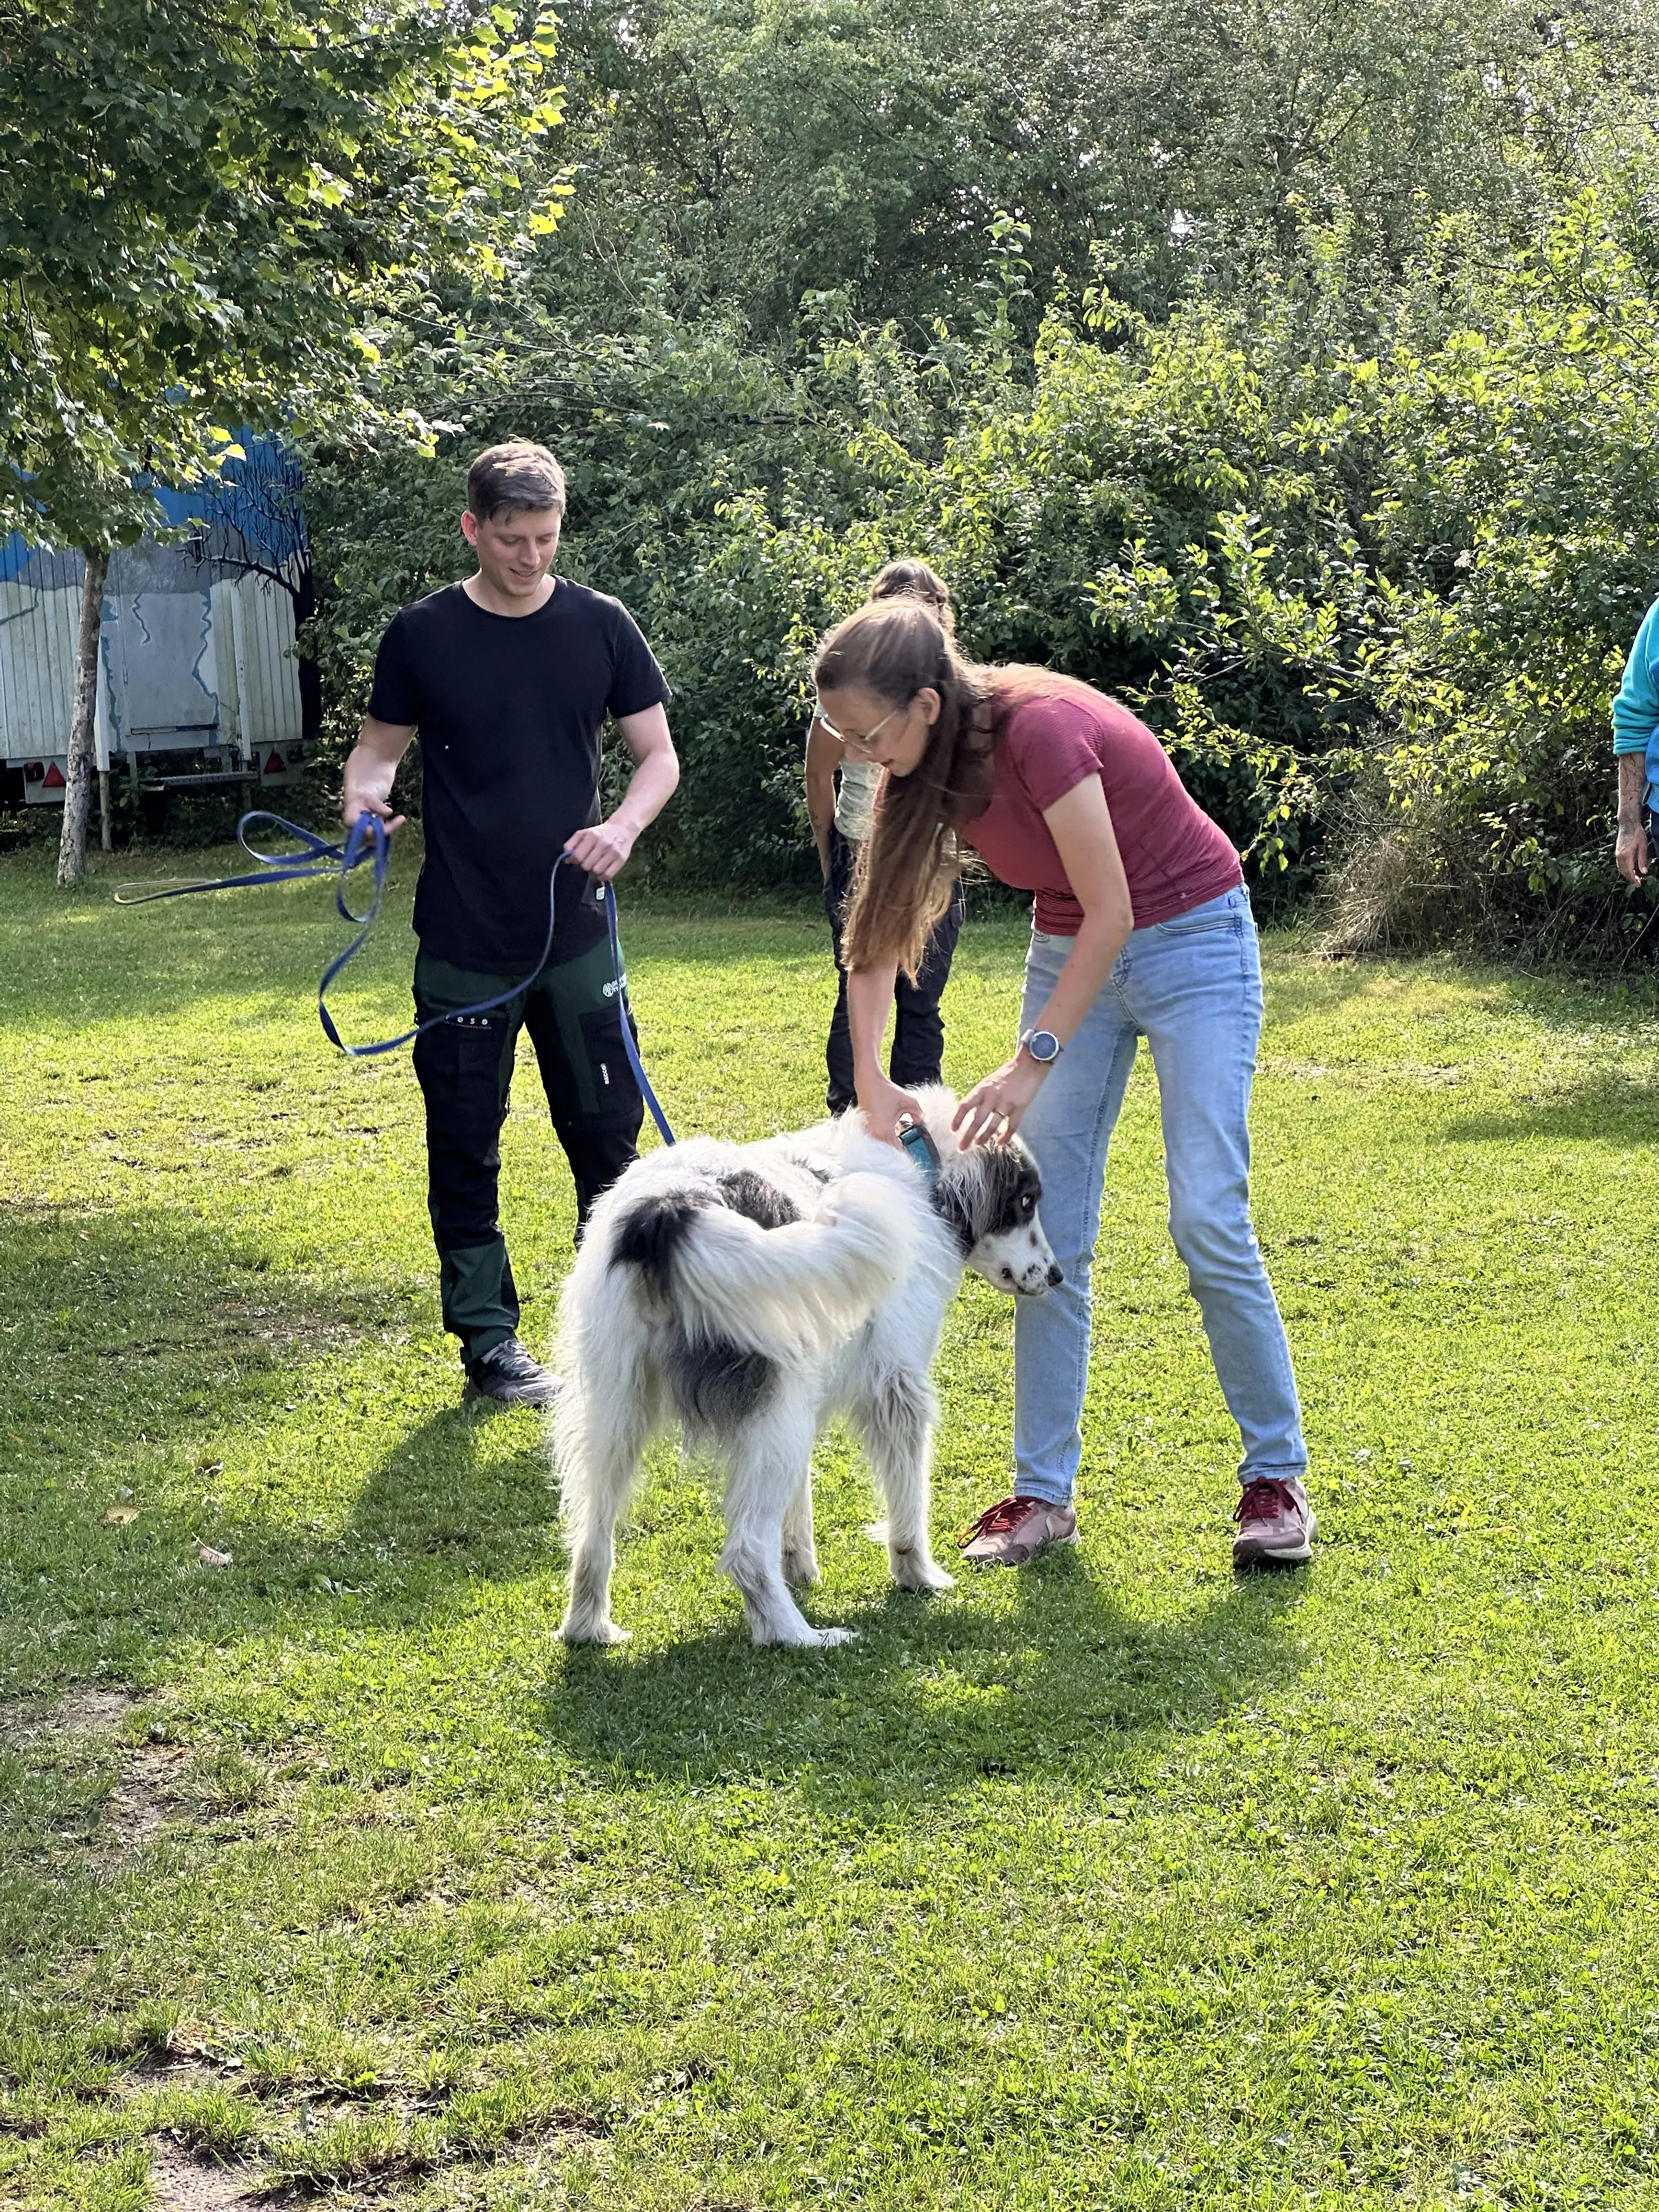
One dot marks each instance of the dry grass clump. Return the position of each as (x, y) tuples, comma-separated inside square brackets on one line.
[(1404, 876)]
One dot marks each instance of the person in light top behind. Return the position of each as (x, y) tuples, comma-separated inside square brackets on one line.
[(841, 820), (1143, 928)]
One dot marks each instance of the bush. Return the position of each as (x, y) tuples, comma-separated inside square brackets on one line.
[(1366, 546)]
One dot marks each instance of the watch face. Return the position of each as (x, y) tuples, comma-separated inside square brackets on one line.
[(1043, 1045)]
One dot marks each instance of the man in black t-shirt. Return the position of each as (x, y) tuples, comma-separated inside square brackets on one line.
[(509, 679)]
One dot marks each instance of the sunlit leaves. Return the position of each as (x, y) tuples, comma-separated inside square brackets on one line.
[(199, 213)]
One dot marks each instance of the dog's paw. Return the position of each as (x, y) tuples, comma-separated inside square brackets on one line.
[(800, 1570), (805, 1638), (915, 1570), (595, 1632)]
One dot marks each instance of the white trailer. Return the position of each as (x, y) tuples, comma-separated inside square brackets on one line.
[(198, 680)]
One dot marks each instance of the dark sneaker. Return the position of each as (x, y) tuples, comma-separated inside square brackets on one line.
[(1015, 1529), (506, 1375), (1276, 1524)]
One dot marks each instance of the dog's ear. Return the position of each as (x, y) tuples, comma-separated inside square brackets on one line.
[(1007, 1189), (956, 1196)]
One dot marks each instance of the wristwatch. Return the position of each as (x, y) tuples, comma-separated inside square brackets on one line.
[(1043, 1046)]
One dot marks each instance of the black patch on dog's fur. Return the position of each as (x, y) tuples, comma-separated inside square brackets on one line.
[(1012, 1190), (949, 1200), (986, 1197), (757, 1200), (807, 1165), (648, 1237), (715, 1384)]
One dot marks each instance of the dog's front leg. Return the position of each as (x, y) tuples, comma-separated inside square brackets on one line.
[(800, 1559), (897, 1424)]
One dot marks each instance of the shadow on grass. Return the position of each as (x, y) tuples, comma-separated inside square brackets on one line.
[(1300, 983), (1607, 1107), (136, 1330), (941, 1694), (136, 1351)]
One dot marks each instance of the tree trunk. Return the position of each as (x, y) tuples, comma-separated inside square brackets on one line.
[(82, 747)]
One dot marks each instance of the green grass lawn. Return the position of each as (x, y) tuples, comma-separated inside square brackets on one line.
[(1114, 1883)]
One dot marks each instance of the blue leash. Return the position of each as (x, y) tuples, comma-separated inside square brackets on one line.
[(318, 857)]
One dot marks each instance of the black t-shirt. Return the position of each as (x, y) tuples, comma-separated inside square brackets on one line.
[(509, 709)]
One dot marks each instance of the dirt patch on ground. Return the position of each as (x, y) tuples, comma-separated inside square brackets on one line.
[(79, 1712), (168, 2069), (184, 2184), (86, 1712), (66, 1734), (143, 1797)]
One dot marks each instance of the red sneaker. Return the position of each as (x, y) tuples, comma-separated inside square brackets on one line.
[(1276, 1524), (1015, 1530)]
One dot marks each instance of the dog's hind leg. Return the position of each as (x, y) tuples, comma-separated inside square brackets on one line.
[(770, 1468), (800, 1559), (895, 1422), (597, 1448)]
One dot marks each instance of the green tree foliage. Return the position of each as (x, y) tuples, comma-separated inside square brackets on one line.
[(755, 152), (1287, 371), (205, 213)]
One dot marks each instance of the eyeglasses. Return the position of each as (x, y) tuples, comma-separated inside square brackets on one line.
[(856, 744)]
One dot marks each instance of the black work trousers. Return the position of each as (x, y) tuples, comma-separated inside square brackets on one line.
[(574, 1012), (919, 1026)]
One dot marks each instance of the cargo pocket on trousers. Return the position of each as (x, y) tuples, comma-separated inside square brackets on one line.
[(615, 1093), (458, 1066)]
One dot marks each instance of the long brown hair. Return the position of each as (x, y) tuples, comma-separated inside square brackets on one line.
[(903, 883), (906, 874)]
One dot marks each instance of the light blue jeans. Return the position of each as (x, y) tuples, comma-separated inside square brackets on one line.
[(1192, 988)]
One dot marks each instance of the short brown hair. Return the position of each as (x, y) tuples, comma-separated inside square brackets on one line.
[(516, 478)]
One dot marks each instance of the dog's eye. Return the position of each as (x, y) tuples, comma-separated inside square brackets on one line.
[(1027, 1207)]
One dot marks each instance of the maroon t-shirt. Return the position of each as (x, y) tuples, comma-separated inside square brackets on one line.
[(1174, 857)]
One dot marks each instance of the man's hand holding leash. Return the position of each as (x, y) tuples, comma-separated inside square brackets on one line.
[(371, 768), (603, 850)]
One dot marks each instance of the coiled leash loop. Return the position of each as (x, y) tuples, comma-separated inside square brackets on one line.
[(316, 857), (367, 838)]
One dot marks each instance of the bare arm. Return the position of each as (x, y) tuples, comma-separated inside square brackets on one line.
[(371, 768), (1631, 853), (823, 759), (869, 1003), (604, 850), (1081, 826)]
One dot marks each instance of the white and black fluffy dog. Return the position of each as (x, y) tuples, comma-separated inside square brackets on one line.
[(751, 1292)]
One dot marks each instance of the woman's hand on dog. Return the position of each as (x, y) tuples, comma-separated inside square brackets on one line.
[(884, 1105), (995, 1108)]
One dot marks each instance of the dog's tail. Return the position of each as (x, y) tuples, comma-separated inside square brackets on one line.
[(800, 1290)]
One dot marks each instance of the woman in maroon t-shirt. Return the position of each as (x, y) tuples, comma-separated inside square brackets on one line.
[(1143, 928)]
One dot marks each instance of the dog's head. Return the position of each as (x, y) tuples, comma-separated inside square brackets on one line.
[(990, 1196)]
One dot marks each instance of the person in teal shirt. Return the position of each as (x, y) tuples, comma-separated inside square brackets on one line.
[(1636, 747)]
